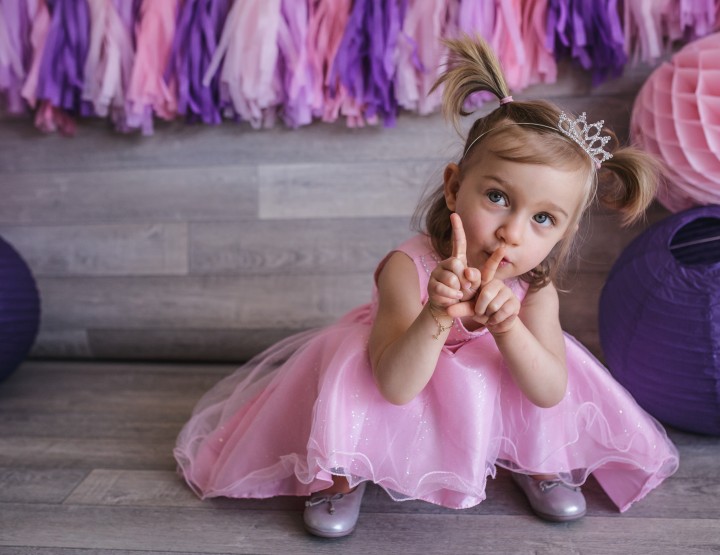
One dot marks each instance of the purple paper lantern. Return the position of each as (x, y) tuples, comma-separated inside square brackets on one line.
[(19, 309), (660, 320)]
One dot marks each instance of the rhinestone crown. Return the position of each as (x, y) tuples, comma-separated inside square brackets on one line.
[(587, 136)]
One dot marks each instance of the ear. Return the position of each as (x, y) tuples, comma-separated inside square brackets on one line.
[(452, 185)]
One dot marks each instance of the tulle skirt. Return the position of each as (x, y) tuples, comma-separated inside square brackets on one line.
[(307, 409)]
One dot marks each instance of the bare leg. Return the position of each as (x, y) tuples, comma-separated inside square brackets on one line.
[(340, 485)]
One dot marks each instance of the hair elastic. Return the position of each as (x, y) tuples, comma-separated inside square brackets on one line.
[(506, 100)]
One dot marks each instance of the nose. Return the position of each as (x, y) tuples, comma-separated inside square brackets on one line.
[(511, 230)]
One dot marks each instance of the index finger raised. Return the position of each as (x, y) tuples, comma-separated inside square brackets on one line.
[(491, 265), (459, 243)]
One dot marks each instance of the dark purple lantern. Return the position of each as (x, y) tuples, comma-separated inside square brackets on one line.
[(660, 320), (19, 309)]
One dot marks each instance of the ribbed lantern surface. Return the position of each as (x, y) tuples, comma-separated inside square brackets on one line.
[(676, 116), (660, 320)]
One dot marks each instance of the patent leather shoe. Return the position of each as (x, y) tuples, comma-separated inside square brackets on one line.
[(552, 499), (333, 515)]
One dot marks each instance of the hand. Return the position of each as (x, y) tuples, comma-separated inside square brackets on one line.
[(492, 303), (451, 282)]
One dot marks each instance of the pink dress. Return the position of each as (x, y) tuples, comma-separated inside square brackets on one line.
[(308, 408)]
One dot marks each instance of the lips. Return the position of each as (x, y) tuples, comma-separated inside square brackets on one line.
[(504, 262)]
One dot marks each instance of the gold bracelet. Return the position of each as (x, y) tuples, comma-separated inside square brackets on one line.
[(441, 328)]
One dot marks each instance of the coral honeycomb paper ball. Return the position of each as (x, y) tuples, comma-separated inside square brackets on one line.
[(676, 116)]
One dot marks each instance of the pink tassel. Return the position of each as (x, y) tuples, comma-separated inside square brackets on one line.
[(645, 23), (49, 118), (421, 55), (148, 91), (327, 20), (109, 63), (40, 26), (294, 74), (248, 50), (540, 65), (12, 72), (507, 41), (477, 17)]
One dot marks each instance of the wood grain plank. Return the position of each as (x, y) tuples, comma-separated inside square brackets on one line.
[(23, 485), (334, 190), (198, 344), (50, 401), (32, 422), (98, 368), (136, 488), (68, 453), (312, 246), (33, 550), (61, 343), (227, 531), (102, 249), (140, 488), (182, 146), (117, 393), (106, 196), (211, 302)]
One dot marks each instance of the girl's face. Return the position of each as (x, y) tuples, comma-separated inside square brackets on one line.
[(527, 207)]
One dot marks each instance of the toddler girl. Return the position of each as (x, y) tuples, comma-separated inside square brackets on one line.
[(458, 366)]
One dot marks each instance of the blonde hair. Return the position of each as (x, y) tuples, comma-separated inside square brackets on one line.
[(626, 183)]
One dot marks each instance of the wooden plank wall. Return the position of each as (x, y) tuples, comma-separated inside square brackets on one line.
[(210, 243)]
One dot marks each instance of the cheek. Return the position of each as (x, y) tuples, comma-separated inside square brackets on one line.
[(473, 226), (543, 249)]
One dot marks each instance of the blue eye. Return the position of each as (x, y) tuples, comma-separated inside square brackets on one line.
[(544, 219), (496, 197)]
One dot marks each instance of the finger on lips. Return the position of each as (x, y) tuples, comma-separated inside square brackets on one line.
[(491, 264)]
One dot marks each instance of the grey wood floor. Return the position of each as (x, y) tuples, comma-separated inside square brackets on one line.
[(86, 467)]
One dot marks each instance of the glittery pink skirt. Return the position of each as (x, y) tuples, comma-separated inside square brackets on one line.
[(308, 408)]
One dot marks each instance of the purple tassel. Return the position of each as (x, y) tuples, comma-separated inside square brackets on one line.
[(62, 65), (12, 75), (590, 33), (199, 26), (365, 61)]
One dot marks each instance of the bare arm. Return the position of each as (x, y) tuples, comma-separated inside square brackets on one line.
[(534, 348), (403, 351), (407, 338)]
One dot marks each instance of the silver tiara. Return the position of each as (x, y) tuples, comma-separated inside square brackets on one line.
[(587, 136)]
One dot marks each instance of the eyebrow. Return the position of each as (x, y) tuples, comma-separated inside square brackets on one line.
[(553, 207)]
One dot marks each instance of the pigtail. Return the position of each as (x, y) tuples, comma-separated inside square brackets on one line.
[(471, 67), (636, 177)]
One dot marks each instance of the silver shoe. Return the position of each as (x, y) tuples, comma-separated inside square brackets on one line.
[(552, 499), (333, 515)]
